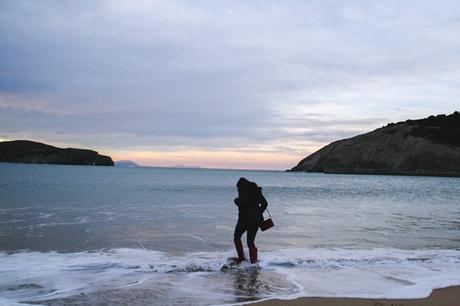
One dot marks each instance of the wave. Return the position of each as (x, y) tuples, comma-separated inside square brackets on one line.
[(374, 273)]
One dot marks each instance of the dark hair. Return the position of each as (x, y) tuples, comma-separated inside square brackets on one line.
[(243, 183), (246, 184)]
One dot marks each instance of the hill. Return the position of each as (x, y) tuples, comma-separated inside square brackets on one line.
[(429, 146), (25, 151), (126, 164)]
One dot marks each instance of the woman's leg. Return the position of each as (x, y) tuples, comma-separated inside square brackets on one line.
[(251, 236), (240, 228)]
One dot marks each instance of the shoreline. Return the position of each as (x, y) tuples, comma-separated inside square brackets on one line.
[(449, 296), (382, 172)]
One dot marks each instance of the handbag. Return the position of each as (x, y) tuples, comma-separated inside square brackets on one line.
[(267, 223)]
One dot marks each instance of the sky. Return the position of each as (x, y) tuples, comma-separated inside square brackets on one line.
[(222, 84)]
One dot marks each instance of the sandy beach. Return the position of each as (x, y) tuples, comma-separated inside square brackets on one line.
[(440, 297)]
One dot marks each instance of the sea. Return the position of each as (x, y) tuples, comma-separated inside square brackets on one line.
[(88, 235)]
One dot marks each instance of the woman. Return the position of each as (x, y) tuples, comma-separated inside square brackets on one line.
[(251, 204)]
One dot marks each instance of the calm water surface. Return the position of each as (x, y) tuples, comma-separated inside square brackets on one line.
[(111, 233)]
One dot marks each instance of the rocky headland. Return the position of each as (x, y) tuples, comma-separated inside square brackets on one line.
[(429, 146), (126, 164), (30, 152)]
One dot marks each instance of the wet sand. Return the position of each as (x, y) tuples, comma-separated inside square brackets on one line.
[(440, 297)]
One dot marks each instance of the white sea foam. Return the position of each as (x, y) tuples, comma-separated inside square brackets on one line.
[(374, 273)]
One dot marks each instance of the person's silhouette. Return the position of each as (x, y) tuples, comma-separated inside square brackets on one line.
[(251, 204)]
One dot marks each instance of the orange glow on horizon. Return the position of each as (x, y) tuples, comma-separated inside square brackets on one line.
[(211, 159)]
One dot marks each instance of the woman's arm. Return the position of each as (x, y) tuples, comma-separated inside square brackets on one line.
[(240, 201), (263, 202)]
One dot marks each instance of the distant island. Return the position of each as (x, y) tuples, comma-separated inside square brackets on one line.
[(429, 146), (30, 152), (126, 164), (187, 166)]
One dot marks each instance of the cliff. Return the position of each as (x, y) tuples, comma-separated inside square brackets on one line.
[(428, 146), (24, 151)]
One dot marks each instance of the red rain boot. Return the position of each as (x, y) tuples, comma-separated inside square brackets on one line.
[(253, 254), (239, 250)]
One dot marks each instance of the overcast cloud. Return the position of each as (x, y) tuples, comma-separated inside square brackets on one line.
[(284, 77)]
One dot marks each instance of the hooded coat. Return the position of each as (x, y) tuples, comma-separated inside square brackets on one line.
[(251, 203)]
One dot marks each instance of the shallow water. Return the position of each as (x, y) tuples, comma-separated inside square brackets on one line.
[(79, 235)]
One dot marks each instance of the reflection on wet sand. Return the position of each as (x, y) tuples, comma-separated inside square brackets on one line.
[(247, 284)]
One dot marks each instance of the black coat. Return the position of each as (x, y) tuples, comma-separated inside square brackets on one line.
[(251, 204)]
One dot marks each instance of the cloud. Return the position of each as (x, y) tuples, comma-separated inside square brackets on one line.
[(214, 75)]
